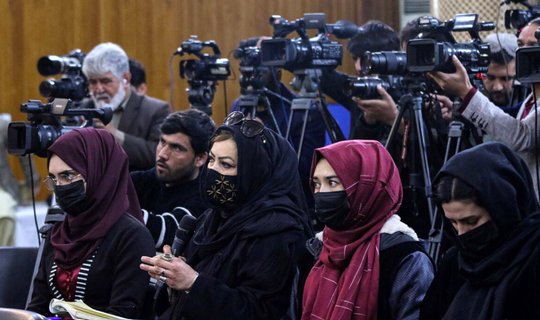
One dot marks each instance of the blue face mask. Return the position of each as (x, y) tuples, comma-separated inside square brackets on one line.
[(331, 208), (72, 197), (221, 190)]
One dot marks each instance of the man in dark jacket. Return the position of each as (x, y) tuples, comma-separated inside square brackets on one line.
[(171, 189), (136, 119)]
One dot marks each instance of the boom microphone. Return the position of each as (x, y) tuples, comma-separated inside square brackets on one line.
[(344, 29)]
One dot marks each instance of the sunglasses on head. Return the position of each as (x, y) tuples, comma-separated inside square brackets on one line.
[(249, 127)]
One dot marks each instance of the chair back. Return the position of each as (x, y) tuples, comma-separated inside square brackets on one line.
[(17, 265)]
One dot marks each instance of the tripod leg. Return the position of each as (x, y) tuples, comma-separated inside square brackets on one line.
[(395, 127), (304, 104), (435, 234), (268, 109), (422, 140), (303, 132)]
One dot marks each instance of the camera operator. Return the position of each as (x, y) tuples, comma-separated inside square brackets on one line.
[(138, 76), (378, 114), (499, 79), (136, 119), (518, 133), (174, 181), (372, 36), (377, 119)]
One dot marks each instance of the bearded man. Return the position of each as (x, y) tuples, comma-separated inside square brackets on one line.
[(136, 118), (171, 189)]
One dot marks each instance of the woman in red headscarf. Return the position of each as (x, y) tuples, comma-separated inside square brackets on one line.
[(371, 265), (93, 255)]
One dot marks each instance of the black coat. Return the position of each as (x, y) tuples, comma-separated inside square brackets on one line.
[(250, 277), (504, 281), (115, 282), (160, 200), (140, 123), (249, 255)]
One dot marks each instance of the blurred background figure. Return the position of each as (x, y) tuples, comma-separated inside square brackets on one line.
[(20, 191), (499, 81), (138, 76)]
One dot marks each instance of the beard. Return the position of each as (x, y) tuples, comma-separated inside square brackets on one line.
[(180, 175), (115, 101), (499, 98)]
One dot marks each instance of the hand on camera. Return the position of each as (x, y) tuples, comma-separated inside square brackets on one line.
[(383, 110), (457, 84), (446, 106), (176, 273)]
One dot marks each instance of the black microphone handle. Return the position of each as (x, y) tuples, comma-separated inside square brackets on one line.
[(183, 234), (181, 238)]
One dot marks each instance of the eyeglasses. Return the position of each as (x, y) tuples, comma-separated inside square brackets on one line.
[(249, 127), (63, 179)]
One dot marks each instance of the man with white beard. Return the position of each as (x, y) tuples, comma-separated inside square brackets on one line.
[(136, 119)]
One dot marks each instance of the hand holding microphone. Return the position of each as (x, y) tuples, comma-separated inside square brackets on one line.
[(176, 273)]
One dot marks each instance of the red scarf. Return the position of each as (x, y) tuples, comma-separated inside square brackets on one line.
[(344, 283), (95, 154), (528, 107)]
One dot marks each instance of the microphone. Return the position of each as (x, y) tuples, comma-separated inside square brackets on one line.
[(344, 29), (181, 238), (183, 233)]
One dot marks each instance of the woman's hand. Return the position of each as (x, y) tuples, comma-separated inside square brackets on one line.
[(176, 273)]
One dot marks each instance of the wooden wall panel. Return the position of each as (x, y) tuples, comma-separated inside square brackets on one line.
[(150, 31)]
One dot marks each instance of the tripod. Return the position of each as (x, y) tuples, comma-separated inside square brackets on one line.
[(307, 82), (201, 94), (253, 98), (412, 104)]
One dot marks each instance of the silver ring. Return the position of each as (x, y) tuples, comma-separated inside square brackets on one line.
[(162, 278), (167, 257)]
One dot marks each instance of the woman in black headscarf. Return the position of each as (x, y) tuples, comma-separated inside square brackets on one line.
[(493, 272), (93, 255), (243, 258)]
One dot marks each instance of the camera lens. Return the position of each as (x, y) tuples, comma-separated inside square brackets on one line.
[(385, 62)]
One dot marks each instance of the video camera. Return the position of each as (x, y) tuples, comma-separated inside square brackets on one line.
[(252, 73), (366, 87), (517, 19), (203, 73), (384, 62), (528, 64), (424, 55), (208, 67), (304, 52), (46, 126), (73, 84), (527, 58)]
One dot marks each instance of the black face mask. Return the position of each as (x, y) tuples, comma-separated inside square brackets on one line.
[(331, 208), (221, 190), (480, 241), (72, 197)]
